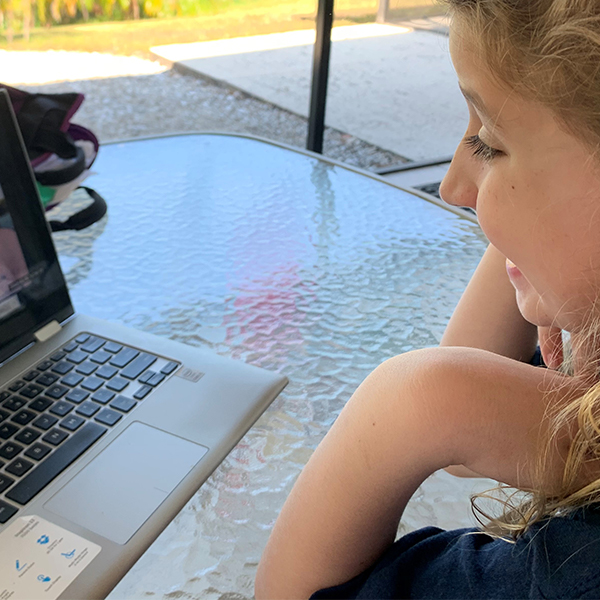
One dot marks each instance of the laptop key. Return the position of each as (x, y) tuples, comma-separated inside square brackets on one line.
[(46, 364), (70, 346), (5, 482), (138, 366), (92, 383), (72, 379), (14, 403), (27, 436), (103, 396), (118, 384), (19, 467), (40, 404), (23, 417), (62, 408), (82, 337), (123, 403), (6, 511), (169, 368), (146, 376), (87, 409), (7, 430), (86, 368), (35, 481), (72, 422), (108, 417), (47, 379), (142, 392), (58, 356), (4, 395), (31, 375), (76, 396), (54, 437), (56, 391), (112, 347), (3, 415), (124, 357), (77, 357), (62, 368), (107, 372), (10, 450), (44, 422), (16, 386), (92, 344), (37, 451), (31, 391), (100, 357), (156, 379)]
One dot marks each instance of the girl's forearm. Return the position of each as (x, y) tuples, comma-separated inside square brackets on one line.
[(415, 414), (345, 507), (487, 316)]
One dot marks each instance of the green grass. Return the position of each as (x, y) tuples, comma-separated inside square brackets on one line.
[(235, 19)]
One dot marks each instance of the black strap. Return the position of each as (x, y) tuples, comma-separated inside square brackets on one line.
[(85, 217), (66, 174)]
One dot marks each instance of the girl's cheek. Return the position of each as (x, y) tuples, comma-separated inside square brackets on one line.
[(489, 217)]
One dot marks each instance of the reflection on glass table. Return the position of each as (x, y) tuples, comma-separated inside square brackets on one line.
[(290, 262)]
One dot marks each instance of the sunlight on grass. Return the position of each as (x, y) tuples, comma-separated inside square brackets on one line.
[(239, 19)]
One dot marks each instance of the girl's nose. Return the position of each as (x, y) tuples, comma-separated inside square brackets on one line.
[(459, 187)]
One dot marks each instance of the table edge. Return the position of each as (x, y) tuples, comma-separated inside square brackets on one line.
[(413, 192)]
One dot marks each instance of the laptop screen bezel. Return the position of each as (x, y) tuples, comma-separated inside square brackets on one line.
[(16, 177)]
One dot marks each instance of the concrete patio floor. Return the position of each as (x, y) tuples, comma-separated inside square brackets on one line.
[(391, 85)]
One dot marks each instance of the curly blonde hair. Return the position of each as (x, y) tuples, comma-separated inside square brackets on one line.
[(547, 51)]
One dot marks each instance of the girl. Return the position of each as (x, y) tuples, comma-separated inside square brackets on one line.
[(529, 165)]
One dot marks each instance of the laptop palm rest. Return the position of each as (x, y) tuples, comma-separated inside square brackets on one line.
[(116, 493)]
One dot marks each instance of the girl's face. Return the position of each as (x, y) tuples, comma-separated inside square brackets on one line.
[(536, 190)]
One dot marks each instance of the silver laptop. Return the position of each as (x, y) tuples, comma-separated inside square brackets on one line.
[(105, 432)]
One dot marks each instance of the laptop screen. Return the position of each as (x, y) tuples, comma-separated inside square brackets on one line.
[(32, 288)]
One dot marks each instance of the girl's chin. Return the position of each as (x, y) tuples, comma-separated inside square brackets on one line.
[(528, 302)]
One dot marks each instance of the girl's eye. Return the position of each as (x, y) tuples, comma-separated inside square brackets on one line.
[(481, 149)]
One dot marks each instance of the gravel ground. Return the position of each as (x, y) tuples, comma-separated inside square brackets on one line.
[(142, 99)]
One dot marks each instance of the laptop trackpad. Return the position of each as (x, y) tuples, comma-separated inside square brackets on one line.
[(116, 493)]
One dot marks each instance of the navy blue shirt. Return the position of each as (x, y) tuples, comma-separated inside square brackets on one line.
[(558, 558)]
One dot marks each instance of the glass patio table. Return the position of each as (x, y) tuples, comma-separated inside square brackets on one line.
[(288, 261)]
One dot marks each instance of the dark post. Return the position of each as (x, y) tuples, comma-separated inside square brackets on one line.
[(318, 96)]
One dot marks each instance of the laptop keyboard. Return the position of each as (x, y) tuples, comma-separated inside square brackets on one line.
[(55, 412)]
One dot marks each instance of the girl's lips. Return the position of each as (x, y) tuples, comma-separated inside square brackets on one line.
[(512, 270)]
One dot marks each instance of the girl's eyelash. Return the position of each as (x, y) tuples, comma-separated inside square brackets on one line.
[(481, 149)]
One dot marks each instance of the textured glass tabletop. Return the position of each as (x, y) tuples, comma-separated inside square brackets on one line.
[(288, 262)]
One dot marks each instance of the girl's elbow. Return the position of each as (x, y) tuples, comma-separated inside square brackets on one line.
[(271, 584), (267, 586)]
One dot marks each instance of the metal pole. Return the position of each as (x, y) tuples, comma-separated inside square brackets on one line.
[(382, 11), (410, 165), (318, 96)]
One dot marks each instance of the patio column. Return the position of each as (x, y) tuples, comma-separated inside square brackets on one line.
[(318, 97)]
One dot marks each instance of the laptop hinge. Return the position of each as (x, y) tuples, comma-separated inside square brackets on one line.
[(46, 332)]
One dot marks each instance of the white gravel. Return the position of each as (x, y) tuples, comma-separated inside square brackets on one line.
[(31, 68), (130, 97)]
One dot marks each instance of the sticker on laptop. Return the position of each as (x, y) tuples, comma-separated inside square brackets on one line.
[(39, 559)]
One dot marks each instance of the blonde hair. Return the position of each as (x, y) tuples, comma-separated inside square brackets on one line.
[(548, 51)]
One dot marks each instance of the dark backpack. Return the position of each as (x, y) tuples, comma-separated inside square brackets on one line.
[(61, 153)]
